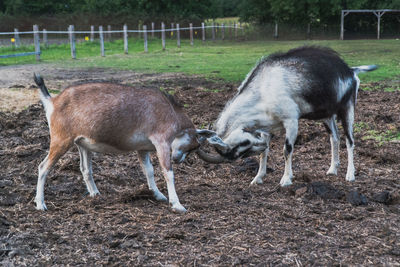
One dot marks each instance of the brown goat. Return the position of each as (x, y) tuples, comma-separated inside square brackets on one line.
[(114, 118)]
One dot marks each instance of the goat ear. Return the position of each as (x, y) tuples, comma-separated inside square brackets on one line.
[(205, 133)]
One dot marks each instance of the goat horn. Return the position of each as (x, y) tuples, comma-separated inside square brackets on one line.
[(210, 158)]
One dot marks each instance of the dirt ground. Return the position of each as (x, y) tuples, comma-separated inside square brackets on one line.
[(319, 220)]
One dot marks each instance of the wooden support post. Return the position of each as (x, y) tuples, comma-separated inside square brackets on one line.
[(45, 41), (145, 38), (101, 41), (152, 30), (178, 36), (342, 25), (276, 33), (236, 30), (378, 30), (125, 39), (72, 41), (109, 33), (91, 33), (213, 32), (163, 35), (203, 32), (36, 38), (223, 31), (191, 33), (16, 37)]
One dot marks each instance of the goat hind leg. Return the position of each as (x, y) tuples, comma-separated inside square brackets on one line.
[(291, 128), (347, 122), (331, 126), (57, 149), (86, 170)]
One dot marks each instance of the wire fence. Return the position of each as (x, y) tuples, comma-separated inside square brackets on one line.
[(225, 31)]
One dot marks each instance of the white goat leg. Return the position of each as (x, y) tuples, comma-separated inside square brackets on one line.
[(43, 171), (262, 169), (86, 169), (291, 127), (348, 128), (335, 145), (173, 197), (145, 163)]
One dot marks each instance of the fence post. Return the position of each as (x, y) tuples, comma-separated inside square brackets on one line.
[(109, 33), (37, 41), (236, 29), (152, 30), (163, 35), (45, 41), (178, 36), (145, 38), (125, 39), (91, 33), (101, 41), (72, 41), (213, 32), (191, 33), (16, 37), (276, 30), (223, 31), (171, 35), (203, 32)]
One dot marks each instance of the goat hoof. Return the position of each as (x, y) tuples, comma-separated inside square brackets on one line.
[(331, 172), (256, 181), (41, 206), (160, 197), (285, 182), (350, 178), (95, 193), (178, 208)]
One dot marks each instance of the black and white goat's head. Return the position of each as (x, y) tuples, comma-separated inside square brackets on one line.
[(239, 143)]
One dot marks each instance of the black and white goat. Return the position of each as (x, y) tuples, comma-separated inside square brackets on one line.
[(114, 118), (307, 82)]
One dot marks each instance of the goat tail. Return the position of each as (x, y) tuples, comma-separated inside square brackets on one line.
[(45, 96), (44, 92), (364, 68)]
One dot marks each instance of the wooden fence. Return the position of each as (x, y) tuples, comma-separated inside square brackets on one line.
[(175, 32)]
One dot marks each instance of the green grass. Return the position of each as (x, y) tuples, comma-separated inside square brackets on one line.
[(227, 60), (390, 135)]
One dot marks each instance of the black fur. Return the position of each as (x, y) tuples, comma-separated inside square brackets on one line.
[(288, 148), (40, 83)]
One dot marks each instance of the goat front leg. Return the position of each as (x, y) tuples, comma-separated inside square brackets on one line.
[(164, 156), (145, 162), (291, 127), (262, 169)]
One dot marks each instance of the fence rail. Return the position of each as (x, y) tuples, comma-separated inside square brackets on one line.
[(20, 54)]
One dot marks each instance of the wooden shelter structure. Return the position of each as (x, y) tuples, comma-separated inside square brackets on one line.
[(377, 12)]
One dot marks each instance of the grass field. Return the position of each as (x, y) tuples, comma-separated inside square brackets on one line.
[(221, 59)]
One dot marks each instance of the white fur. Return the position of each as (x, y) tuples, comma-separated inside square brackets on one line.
[(173, 197)]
